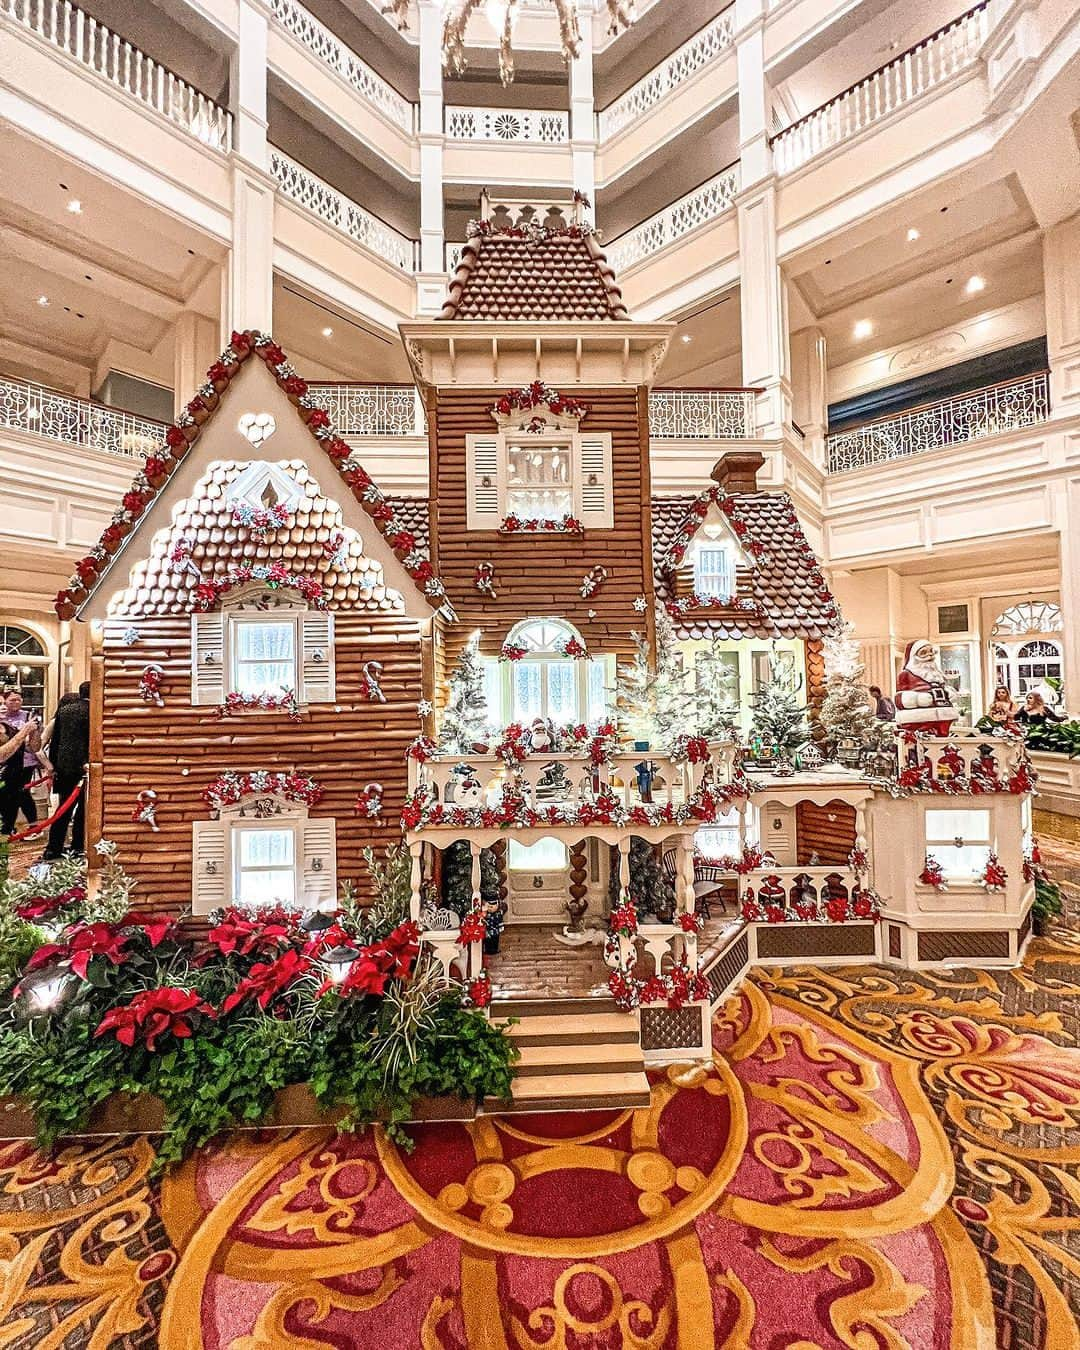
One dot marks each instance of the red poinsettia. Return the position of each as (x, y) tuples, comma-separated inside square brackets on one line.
[(156, 927), (472, 928), (750, 911), (932, 875), (42, 905), (836, 909), (237, 933), (154, 1013), (863, 907), (994, 875), (480, 990), (83, 943), (691, 923), (624, 919), (267, 979)]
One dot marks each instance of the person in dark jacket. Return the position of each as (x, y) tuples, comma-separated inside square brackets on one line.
[(69, 748), (1035, 713)]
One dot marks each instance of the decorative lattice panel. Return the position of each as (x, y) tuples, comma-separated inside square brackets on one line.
[(671, 1028), (728, 968), (894, 942), (805, 942), (951, 944)]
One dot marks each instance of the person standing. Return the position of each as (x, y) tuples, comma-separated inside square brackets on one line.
[(884, 708), (1035, 713), (16, 716), (12, 771), (68, 738)]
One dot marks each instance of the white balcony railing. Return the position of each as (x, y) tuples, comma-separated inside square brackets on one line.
[(694, 55), (302, 25), (925, 66), (705, 203), (701, 414), (124, 67), (317, 196), (41, 411), (372, 409), (519, 126), (952, 421)]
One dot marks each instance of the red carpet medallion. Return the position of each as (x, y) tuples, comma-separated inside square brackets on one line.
[(875, 1159)]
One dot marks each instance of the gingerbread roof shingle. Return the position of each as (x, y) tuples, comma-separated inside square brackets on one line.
[(785, 584), (160, 465), (554, 277), (204, 543)]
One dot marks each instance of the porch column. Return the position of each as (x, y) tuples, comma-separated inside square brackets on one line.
[(1061, 275), (195, 348), (475, 948), (809, 390), (415, 879), (624, 864)]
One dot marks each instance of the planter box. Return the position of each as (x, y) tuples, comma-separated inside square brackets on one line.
[(1059, 788)]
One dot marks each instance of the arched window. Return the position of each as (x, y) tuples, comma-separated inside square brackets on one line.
[(546, 683), (1031, 659), (24, 666)]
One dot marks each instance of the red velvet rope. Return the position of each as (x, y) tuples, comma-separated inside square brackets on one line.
[(40, 825)]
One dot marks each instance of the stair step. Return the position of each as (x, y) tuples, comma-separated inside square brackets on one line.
[(573, 1092), (562, 1007), (618, 1057), (602, 1029)]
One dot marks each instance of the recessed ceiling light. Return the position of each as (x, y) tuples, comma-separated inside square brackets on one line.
[(75, 206), (328, 332), (686, 338), (975, 285), (912, 235), (43, 300), (863, 328)]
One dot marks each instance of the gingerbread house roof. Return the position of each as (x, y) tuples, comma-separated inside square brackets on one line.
[(205, 541), (784, 585), (408, 558), (539, 275)]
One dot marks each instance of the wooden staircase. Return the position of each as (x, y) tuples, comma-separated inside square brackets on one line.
[(577, 1054)]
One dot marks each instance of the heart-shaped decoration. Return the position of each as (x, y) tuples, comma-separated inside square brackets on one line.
[(257, 428)]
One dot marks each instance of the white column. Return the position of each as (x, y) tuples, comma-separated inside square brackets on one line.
[(1068, 512), (431, 281), (809, 390), (196, 344), (1061, 277), (582, 111), (248, 302), (765, 358)]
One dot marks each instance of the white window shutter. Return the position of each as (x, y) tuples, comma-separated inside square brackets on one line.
[(211, 885), (318, 880), (483, 472), (594, 463), (207, 658), (316, 657)]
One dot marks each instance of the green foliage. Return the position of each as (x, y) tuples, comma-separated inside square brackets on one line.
[(656, 704), (391, 878), (1055, 738), (1047, 903), (18, 942), (651, 890), (457, 877)]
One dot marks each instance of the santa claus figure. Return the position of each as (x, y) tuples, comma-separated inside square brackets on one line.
[(923, 697)]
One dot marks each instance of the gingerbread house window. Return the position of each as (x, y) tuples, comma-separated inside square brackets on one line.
[(263, 851), (263, 644), (543, 475)]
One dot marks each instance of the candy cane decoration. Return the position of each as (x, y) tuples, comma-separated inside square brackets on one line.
[(369, 802), (150, 685), (484, 579), (144, 813), (180, 558), (336, 549), (370, 687), (593, 580)]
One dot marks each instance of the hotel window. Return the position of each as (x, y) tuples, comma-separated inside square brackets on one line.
[(959, 841)]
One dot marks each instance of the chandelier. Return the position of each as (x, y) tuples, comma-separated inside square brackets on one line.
[(503, 15)]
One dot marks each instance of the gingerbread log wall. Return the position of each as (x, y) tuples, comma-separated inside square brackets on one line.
[(541, 574), (178, 749)]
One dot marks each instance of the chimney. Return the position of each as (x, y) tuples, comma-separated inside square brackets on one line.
[(738, 469)]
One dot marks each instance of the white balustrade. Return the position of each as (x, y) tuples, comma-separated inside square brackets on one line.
[(317, 196), (521, 126), (925, 66), (97, 48), (947, 758), (952, 421), (701, 414), (41, 411), (693, 56), (372, 409), (661, 942), (564, 779), (326, 47), (787, 887), (705, 203)]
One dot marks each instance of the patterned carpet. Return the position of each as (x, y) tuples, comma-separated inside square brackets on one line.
[(875, 1159)]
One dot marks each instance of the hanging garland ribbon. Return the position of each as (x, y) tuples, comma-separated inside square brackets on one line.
[(40, 825)]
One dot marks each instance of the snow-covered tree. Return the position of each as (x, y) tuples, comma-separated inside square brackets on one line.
[(845, 712), (716, 682), (465, 718), (656, 704), (779, 716)]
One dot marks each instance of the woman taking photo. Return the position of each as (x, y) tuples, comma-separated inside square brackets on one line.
[(13, 770)]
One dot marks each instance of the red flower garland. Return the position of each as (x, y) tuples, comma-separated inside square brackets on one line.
[(932, 875), (228, 788), (994, 875), (534, 525), (240, 703), (538, 395)]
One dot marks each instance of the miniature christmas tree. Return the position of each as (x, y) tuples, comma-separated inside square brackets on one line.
[(779, 718), (717, 683), (655, 704), (652, 891), (457, 877), (464, 720), (846, 713)]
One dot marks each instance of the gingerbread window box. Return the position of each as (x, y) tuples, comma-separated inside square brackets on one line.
[(541, 525)]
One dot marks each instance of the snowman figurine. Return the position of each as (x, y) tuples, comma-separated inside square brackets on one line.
[(468, 792)]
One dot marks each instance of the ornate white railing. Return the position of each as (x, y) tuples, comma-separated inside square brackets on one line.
[(311, 192), (66, 27), (332, 52), (923, 67), (522, 126), (790, 886), (701, 414), (967, 417), (372, 409), (694, 55), (41, 411), (705, 203), (453, 257)]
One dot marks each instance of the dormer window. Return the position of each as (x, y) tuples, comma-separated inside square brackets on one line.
[(547, 474), (714, 569)]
